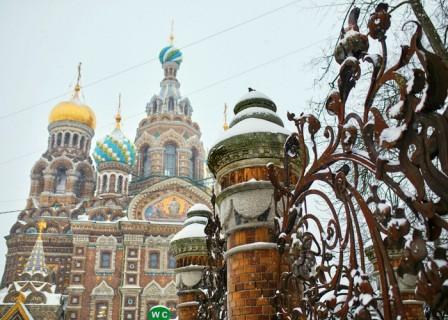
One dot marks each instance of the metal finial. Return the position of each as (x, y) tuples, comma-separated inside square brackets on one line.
[(225, 126), (41, 225), (118, 115), (172, 32), (78, 86)]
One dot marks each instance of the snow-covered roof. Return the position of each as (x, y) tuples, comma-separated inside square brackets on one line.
[(195, 224), (193, 230), (198, 207), (254, 117), (253, 110), (254, 94), (251, 125)]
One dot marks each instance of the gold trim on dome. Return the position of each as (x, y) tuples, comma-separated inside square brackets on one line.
[(74, 110)]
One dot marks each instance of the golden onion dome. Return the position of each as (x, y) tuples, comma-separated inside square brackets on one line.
[(73, 110)]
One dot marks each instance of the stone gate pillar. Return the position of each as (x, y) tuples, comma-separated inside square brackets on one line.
[(246, 206), (190, 250)]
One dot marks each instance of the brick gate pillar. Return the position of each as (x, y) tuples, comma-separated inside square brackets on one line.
[(190, 250), (246, 205)]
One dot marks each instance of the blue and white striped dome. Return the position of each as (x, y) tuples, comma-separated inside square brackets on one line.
[(170, 54), (115, 147)]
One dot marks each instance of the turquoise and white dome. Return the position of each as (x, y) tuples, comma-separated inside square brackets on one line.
[(170, 54), (115, 147)]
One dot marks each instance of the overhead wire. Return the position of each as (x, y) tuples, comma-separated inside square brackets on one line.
[(206, 87), (188, 94), (135, 66)]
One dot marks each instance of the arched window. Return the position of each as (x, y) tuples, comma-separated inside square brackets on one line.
[(61, 180), (59, 139), (112, 183), (120, 185), (53, 140), (170, 104), (145, 159), (194, 164), (81, 143), (66, 139), (170, 160), (75, 140), (104, 184)]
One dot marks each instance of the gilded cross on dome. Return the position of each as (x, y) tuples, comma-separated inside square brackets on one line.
[(118, 115), (78, 80), (172, 32)]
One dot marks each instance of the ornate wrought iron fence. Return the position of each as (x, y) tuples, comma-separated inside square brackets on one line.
[(409, 140)]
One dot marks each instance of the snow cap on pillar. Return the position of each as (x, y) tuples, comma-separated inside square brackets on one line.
[(255, 123)]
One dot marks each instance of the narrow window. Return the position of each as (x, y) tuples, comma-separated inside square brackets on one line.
[(66, 139), (75, 140), (146, 161), (154, 260), (120, 185), (170, 104), (59, 139), (105, 259), (61, 180), (81, 143), (104, 184), (170, 160)]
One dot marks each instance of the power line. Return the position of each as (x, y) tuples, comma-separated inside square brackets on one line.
[(206, 87), (115, 74), (238, 74)]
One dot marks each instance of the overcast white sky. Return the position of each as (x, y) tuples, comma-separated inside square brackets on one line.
[(43, 41)]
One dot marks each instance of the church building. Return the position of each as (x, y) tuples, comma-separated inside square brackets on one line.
[(93, 239)]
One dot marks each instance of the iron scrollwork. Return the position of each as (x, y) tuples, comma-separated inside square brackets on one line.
[(404, 149)]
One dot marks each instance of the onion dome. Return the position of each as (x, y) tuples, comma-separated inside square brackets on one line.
[(73, 109), (115, 147), (170, 54)]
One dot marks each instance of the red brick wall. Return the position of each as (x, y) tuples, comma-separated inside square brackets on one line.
[(188, 312), (252, 276)]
